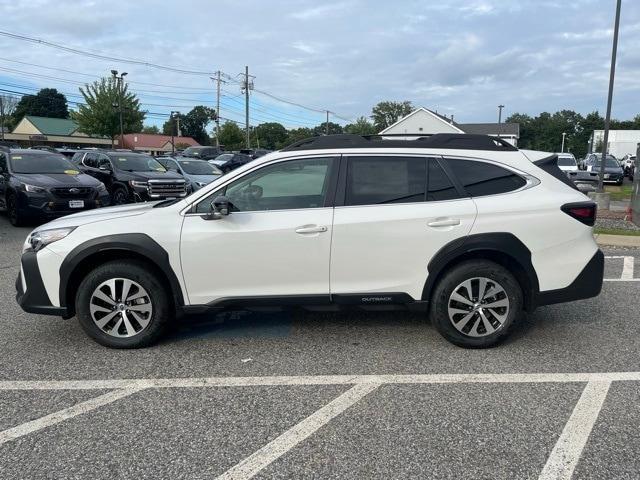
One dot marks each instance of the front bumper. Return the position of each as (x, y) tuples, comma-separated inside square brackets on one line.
[(587, 284), (34, 298), (49, 207)]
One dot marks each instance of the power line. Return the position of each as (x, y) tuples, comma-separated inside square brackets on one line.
[(100, 56)]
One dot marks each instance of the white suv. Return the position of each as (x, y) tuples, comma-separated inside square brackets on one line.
[(465, 227)]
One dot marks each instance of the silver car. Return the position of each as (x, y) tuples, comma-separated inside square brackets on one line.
[(197, 172)]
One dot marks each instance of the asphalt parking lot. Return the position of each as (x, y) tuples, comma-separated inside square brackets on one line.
[(318, 395)]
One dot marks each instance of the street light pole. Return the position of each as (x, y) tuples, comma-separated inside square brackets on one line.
[(500, 107), (563, 136), (612, 74), (119, 86), (173, 145)]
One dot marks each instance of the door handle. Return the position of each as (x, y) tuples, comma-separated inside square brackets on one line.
[(311, 229), (447, 222)]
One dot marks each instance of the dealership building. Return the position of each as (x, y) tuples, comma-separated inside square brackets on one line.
[(33, 131)]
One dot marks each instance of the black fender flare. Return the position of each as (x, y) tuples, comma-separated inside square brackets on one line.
[(502, 245), (139, 244)]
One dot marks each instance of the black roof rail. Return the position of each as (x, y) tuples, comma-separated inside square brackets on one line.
[(462, 141)]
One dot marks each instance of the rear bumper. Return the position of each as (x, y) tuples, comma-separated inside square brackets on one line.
[(587, 284), (35, 298)]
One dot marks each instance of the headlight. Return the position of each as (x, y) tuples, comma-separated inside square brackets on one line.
[(33, 188), (41, 238), (135, 183), (102, 188)]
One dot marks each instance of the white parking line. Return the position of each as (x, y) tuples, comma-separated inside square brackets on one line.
[(57, 417), (627, 269), (205, 382), (273, 450), (566, 453)]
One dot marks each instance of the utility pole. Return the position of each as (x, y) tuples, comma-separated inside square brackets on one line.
[(500, 107), (326, 127), (2, 117), (218, 80), (563, 136), (119, 86), (247, 86), (612, 74)]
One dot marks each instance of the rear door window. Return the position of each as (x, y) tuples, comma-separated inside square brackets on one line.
[(440, 186), (385, 180), (481, 178)]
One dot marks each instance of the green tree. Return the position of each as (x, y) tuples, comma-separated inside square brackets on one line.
[(321, 129), (271, 135), (387, 113), (361, 126), (150, 129), (296, 134), (48, 102), (170, 127), (231, 136), (100, 114), (194, 124)]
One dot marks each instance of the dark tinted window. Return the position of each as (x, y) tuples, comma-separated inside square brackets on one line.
[(380, 180), (440, 186), (42, 163), (481, 178), (91, 160), (3, 163)]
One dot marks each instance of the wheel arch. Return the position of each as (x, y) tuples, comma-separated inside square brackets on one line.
[(135, 246), (504, 249)]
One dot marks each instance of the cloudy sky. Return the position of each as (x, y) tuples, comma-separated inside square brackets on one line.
[(455, 56)]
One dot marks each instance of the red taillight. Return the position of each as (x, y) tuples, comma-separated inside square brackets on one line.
[(583, 212)]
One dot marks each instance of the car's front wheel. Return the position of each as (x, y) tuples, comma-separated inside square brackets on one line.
[(123, 305), (120, 196), (476, 304), (13, 211)]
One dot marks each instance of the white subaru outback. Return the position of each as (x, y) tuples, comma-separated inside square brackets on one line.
[(465, 227)]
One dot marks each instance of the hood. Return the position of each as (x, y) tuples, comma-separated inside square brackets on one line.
[(50, 180), (202, 178), (157, 175), (98, 214)]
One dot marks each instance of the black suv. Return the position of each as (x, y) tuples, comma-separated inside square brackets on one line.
[(131, 177), (203, 153), (230, 161), (40, 185)]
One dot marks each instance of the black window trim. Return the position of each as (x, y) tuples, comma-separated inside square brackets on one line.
[(530, 180), (342, 178), (189, 211)]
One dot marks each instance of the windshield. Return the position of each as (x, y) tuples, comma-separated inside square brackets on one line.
[(134, 162), (39, 163), (225, 157), (610, 162), (199, 167), (193, 151), (566, 161)]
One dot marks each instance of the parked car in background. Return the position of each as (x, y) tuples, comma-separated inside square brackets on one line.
[(255, 153), (131, 177), (37, 185), (612, 170), (230, 161), (197, 172), (628, 163), (567, 162), (203, 153), (67, 152)]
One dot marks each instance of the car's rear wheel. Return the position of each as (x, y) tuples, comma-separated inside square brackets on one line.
[(476, 304), (123, 305)]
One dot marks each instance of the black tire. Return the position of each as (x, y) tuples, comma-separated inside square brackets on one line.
[(12, 211), (619, 182), (120, 196), (452, 280), (158, 297)]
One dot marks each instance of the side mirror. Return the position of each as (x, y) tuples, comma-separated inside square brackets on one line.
[(220, 207)]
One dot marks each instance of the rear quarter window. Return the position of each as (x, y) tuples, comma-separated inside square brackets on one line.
[(480, 178)]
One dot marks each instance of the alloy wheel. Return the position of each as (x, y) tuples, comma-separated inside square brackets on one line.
[(121, 307), (478, 307)]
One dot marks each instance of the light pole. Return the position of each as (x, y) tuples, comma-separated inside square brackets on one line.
[(500, 107), (173, 115), (563, 136), (119, 85), (612, 74)]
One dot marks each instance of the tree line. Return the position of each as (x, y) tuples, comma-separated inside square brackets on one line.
[(99, 115)]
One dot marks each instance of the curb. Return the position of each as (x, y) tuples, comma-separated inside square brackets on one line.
[(617, 240)]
